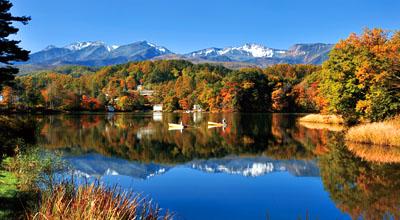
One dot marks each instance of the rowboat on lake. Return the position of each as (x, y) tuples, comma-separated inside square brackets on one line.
[(177, 126)]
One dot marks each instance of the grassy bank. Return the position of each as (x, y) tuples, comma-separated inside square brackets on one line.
[(319, 118), (379, 133), (10, 196), (21, 178)]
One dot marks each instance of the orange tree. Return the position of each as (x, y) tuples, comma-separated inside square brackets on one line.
[(361, 77)]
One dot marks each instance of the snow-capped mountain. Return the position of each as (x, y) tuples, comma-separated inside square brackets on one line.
[(100, 54), (96, 53), (242, 53), (80, 46)]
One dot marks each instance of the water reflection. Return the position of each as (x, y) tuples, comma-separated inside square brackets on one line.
[(375, 153), (140, 138), (157, 116), (363, 189), (141, 147), (197, 117), (97, 166)]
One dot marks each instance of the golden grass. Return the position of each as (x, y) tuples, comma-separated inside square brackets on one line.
[(375, 153), (326, 119), (93, 201), (322, 126), (379, 133)]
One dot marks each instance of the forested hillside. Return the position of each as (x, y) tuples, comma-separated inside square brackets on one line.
[(177, 84)]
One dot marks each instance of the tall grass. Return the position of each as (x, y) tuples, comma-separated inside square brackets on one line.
[(94, 201), (319, 118), (379, 133)]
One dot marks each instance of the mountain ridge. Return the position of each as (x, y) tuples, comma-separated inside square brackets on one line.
[(98, 53)]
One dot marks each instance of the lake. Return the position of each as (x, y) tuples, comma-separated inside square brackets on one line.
[(258, 165)]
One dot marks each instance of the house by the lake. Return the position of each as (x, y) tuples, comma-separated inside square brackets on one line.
[(197, 108), (157, 107)]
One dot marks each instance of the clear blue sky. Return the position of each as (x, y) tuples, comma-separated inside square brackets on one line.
[(186, 25)]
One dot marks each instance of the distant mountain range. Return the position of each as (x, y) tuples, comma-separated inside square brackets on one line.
[(100, 54), (96, 54), (96, 166)]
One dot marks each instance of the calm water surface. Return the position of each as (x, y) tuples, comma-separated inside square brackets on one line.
[(258, 164)]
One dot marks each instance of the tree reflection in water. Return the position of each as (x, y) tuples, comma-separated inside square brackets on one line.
[(370, 190), (137, 137), (363, 189)]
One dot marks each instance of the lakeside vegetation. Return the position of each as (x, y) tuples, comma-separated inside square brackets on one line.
[(379, 133), (65, 200)]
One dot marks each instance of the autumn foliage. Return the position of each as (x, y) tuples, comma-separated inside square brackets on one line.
[(361, 79), (177, 84)]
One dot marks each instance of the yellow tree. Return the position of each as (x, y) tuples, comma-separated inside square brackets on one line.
[(361, 77)]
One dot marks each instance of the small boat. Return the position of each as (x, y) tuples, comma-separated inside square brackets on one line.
[(216, 124), (177, 126)]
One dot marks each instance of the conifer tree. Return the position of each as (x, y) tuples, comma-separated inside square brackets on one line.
[(9, 49)]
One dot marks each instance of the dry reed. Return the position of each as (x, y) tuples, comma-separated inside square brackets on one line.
[(379, 133), (94, 201), (326, 119)]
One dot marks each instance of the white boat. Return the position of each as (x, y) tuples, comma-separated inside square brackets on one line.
[(177, 126)]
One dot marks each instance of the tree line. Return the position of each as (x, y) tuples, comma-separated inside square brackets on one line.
[(176, 84), (360, 80)]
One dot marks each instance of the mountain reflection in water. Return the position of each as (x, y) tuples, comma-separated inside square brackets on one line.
[(250, 167), (97, 166)]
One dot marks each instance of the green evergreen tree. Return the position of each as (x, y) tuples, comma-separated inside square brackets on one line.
[(9, 49)]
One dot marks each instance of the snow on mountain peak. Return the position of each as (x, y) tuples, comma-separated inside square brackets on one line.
[(159, 48), (78, 45), (249, 49), (254, 50), (82, 45), (49, 47)]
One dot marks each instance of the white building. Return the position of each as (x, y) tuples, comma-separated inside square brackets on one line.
[(146, 92), (197, 108)]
